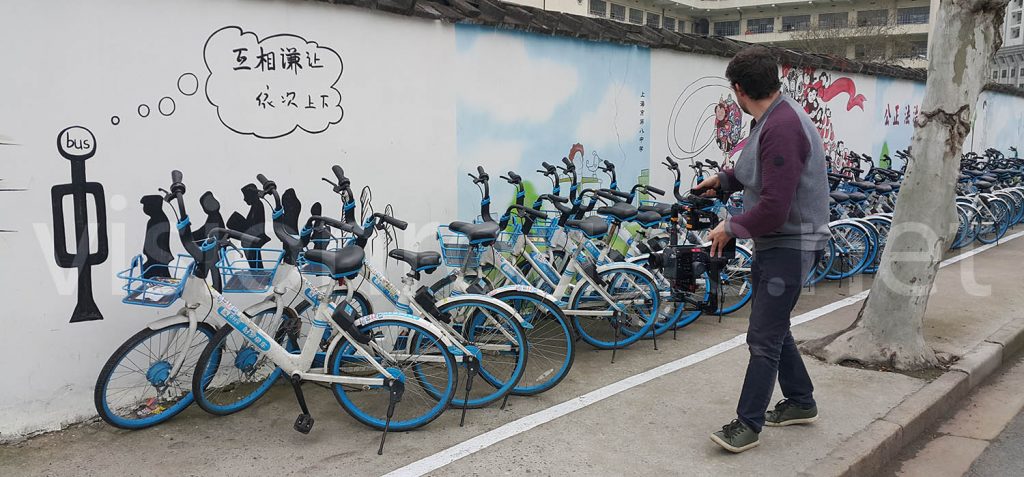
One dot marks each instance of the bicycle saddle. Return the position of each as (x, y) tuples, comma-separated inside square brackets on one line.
[(593, 227), (649, 218), (621, 211), (863, 185), (419, 261), (883, 188), (343, 263), (478, 234), (857, 196), (983, 185), (839, 196), (661, 208)]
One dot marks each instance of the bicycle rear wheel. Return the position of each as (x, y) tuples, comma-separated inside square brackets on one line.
[(853, 246), (499, 343), (136, 388), (628, 288), (550, 340), (417, 357)]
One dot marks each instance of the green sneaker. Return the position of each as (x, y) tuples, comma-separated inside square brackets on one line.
[(787, 413), (736, 437)]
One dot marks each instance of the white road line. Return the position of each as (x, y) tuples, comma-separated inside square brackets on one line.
[(523, 424)]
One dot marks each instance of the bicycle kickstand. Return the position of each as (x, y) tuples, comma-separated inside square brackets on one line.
[(303, 423), (472, 367), (396, 390), (615, 324)]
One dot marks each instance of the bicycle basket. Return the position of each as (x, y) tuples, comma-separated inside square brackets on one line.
[(507, 239), (542, 231), (156, 285), (456, 250), (248, 270)]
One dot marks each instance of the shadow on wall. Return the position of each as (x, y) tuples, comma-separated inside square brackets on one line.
[(6, 141)]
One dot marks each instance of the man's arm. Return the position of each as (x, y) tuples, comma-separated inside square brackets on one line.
[(782, 152)]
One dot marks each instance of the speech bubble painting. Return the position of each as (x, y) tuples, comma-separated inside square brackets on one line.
[(269, 88)]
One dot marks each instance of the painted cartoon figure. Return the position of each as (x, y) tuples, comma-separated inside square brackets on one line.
[(728, 124)]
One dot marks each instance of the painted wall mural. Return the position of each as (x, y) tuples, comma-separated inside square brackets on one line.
[(704, 114), (524, 98), (821, 94), (77, 144)]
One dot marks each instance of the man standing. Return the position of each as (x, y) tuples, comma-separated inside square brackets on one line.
[(782, 173)]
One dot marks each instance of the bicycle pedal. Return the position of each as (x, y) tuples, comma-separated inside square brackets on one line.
[(304, 423)]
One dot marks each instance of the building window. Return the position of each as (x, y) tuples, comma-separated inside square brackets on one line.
[(1022, 72), (700, 27), (1015, 32), (1004, 74), (653, 20), (995, 74), (636, 16), (796, 23), (870, 52), (1013, 72), (834, 20), (669, 23), (598, 8), (618, 12), (760, 25), (1015, 18), (872, 17), (912, 16), (681, 26), (727, 28)]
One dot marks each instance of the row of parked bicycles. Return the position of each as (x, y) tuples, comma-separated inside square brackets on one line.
[(514, 296), (504, 320)]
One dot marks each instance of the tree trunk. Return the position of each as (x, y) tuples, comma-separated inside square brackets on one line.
[(888, 329)]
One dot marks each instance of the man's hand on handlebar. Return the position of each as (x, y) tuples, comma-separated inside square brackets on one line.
[(708, 187)]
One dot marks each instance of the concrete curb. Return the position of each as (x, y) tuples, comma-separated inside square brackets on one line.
[(869, 450)]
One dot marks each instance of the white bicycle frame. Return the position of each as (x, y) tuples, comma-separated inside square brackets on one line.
[(404, 300)]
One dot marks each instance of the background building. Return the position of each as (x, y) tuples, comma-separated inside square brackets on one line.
[(894, 31), (1008, 64)]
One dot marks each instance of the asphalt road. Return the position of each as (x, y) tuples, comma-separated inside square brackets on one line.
[(1005, 455)]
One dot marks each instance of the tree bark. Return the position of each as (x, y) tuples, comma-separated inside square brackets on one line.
[(888, 330)]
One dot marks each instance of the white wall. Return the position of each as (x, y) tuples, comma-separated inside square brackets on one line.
[(80, 63), (415, 103)]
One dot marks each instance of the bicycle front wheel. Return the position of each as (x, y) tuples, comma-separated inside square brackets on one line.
[(138, 386), (415, 356), (232, 374)]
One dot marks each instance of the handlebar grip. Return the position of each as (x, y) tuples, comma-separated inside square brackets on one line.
[(620, 194), (338, 172), (607, 194), (654, 190), (399, 224), (480, 171), (262, 180), (533, 212), (175, 176), (568, 164), (554, 198), (244, 237), (514, 176)]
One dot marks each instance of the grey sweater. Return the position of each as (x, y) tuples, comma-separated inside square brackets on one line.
[(782, 173)]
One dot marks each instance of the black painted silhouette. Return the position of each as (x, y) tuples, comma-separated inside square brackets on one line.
[(292, 207), (77, 144), (321, 233), (253, 224), (157, 245), (211, 206)]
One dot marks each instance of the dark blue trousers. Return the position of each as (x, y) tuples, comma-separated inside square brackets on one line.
[(777, 276)]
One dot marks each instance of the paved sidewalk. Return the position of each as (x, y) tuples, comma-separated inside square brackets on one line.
[(659, 426)]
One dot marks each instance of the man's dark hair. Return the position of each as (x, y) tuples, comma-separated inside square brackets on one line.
[(754, 68)]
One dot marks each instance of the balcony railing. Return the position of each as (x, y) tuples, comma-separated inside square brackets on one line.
[(756, 29)]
